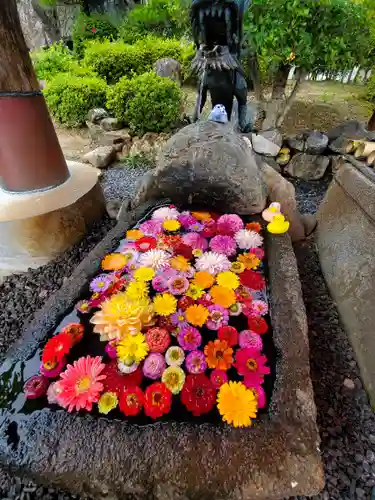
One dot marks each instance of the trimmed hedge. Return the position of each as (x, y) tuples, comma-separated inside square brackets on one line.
[(70, 97), (146, 103), (371, 87), (93, 27), (48, 62)]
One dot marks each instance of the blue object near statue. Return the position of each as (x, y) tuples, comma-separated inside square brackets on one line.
[(218, 114)]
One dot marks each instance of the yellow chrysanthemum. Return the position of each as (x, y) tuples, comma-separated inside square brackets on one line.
[(227, 279), (236, 404), (107, 402), (197, 252), (114, 261), (144, 274), (137, 290), (171, 225), (237, 267), (249, 260), (165, 304), (203, 216), (134, 347), (203, 279), (194, 291), (222, 296), (174, 378), (134, 234), (196, 314), (179, 263)]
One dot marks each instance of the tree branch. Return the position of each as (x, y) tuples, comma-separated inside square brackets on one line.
[(300, 78)]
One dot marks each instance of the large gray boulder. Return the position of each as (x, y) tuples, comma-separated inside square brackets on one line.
[(316, 143), (351, 129), (207, 163), (169, 68), (307, 167)]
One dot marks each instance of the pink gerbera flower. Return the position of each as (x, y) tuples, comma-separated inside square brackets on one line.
[(151, 227), (218, 316), (223, 244), (259, 307), (229, 224), (247, 338), (252, 365), (195, 241), (80, 385)]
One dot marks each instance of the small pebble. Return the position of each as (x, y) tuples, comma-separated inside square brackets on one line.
[(349, 384)]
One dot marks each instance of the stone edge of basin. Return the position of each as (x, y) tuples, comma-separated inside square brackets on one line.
[(276, 459)]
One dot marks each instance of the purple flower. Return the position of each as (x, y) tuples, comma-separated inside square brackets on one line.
[(186, 219), (178, 319), (247, 338), (151, 227), (196, 227), (189, 338), (154, 365), (195, 241), (101, 283), (196, 362), (159, 284), (218, 316), (223, 244), (111, 350)]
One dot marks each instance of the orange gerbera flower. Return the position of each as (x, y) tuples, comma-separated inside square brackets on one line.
[(203, 216), (114, 261), (249, 260), (179, 263), (254, 226), (196, 315), (222, 296), (134, 234), (203, 279), (218, 355)]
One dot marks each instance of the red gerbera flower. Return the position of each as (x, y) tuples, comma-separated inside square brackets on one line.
[(228, 333), (257, 324), (198, 394), (185, 302), (184, 250), (117, 381), (131, 401), (145, 244), (209, 229), (57, 347), (75, 330), (252, 279), (158, 400)]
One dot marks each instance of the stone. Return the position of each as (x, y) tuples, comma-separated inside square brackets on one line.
[(316, 143), (337, 161), (268, 160), (345, 241), (297, 142), (96, 115), (110, 124), (113, 207), (207, 161), (274, 135), (100, 157), (263, 146), (350, 129), (349, 384), (169, 68), (307, 167), (95, 131), (150, 145), (114, 137)]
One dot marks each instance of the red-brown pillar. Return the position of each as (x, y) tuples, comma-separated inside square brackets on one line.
[(30, 154)]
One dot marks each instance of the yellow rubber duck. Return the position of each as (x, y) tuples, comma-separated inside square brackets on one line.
[(269, 213), (278, 225)]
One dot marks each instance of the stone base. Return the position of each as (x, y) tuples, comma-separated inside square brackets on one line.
[(346, 242), (37, 226)]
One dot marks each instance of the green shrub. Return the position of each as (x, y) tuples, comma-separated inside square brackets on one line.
[(93, 27), (70, 97), (371, 87), (146, 103), (188, 52), (49, 62)]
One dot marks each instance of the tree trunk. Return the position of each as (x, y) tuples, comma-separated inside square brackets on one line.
[(281, 79), (371, 123), (254, 74)]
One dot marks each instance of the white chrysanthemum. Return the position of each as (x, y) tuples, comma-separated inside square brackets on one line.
[(213, 263), (156, 259), (123, 368), (166, 213), (174, 356), (248, 239)]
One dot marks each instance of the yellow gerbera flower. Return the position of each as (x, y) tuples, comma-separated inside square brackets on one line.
[(236, 404), (179, 263), (114, 261), (196, 314), (237, 267), (222, 296), (107, 402), (137, 290), (227, 279), (203, 279), (249, 260), (174, 378), (171, 225), (134, 234), (133, 346), (165, 304), (144, 274), (194, 291)]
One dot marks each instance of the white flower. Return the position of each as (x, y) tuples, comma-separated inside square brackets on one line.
[(248, 239), (127, 368), (213, 263), (156, 259), (165, 213), (174, 356)]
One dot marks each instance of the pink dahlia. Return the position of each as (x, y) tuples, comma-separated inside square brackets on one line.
[(223, 244), (258, 393), (252, 365), (189, 338), (196, 362), (151, 227), (259, 307), (229, 224), (195, 241), (80, 385), (186, 219), (154, 365), (217, 317), (247, 338)]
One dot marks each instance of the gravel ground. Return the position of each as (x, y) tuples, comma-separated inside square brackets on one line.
[(346, 421)]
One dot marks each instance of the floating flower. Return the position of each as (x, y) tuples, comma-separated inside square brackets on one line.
[(196, 362), (145, 244), (174, 356), (248, 239), (166, 213), (213, 263), (111, 350), (165, 304), (134, 234), (202, 216), (257, 324), (227, 279), (169, 241), (52, 369), (116, 381), (259, 307), (114, 262), (235, 309), (153, 366), (160, 284), (196, 227), (158, 400), (259, 252), (209, 229), (195, 292), (52, 393), (218, 355), (253, 226), (189, 338), (223, 244), (178, 285), (196, 315), (229, 224), (128, 365), (35, 387), (158, 339), (83, 306), (137, 290), (178, 319), (166, 323), (133, 346), (131, 401), (218, 378), (80, 385), (251, 364), (144, 274), (101, 283), (249, 260), (252, 279), (195, 241), (151, 227), (198, 394), (57, 347), (184, 250), (237, 267), (171, 225), (244, 295), (259, 394), (157, 259), (75, 330), (205, 300), (131, 255), (186, 219), (229, 334), (174, 378), (179, 263), (197, 252), (250, 339), (236, 404), (221, 296), (185, 302), (107, 402), (203, 279), (217, 317)]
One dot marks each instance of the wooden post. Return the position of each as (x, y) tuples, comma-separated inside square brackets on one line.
[(30, 155)]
